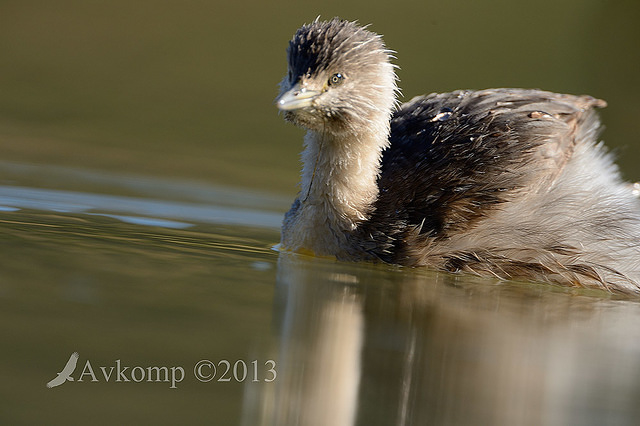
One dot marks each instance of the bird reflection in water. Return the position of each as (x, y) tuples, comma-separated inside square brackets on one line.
[(367, 345)]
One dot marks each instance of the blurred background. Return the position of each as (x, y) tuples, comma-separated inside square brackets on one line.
[(185, 89)]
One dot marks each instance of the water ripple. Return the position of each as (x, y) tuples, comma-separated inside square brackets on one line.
[(141, 211)]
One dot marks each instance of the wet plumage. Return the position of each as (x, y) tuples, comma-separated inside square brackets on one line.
[(509, 183)]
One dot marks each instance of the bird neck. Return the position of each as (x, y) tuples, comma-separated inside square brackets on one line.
[(338, 188), (340, 173)]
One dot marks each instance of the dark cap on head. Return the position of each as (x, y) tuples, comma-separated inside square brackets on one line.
[(322, 44)]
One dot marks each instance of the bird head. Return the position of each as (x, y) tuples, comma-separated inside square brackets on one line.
[(339, 78)]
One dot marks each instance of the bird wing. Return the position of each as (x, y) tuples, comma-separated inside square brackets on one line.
[(71, 364), (453, 157), (507, 128), (546, 125)]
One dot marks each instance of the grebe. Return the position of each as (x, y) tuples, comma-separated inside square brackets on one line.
[(510, 183)]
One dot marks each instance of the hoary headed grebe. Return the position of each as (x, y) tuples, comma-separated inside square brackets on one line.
[(510, 183)]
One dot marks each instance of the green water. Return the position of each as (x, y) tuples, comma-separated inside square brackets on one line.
[(143, 175)]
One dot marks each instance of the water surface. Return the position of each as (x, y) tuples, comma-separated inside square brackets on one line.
[(137, 282)]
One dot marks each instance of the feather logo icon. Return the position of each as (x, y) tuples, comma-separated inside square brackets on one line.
[(66, 372)]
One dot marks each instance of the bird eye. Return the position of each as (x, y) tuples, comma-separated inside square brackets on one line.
[(336, 79)]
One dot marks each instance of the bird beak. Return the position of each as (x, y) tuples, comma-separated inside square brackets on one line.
[(295, 98)]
